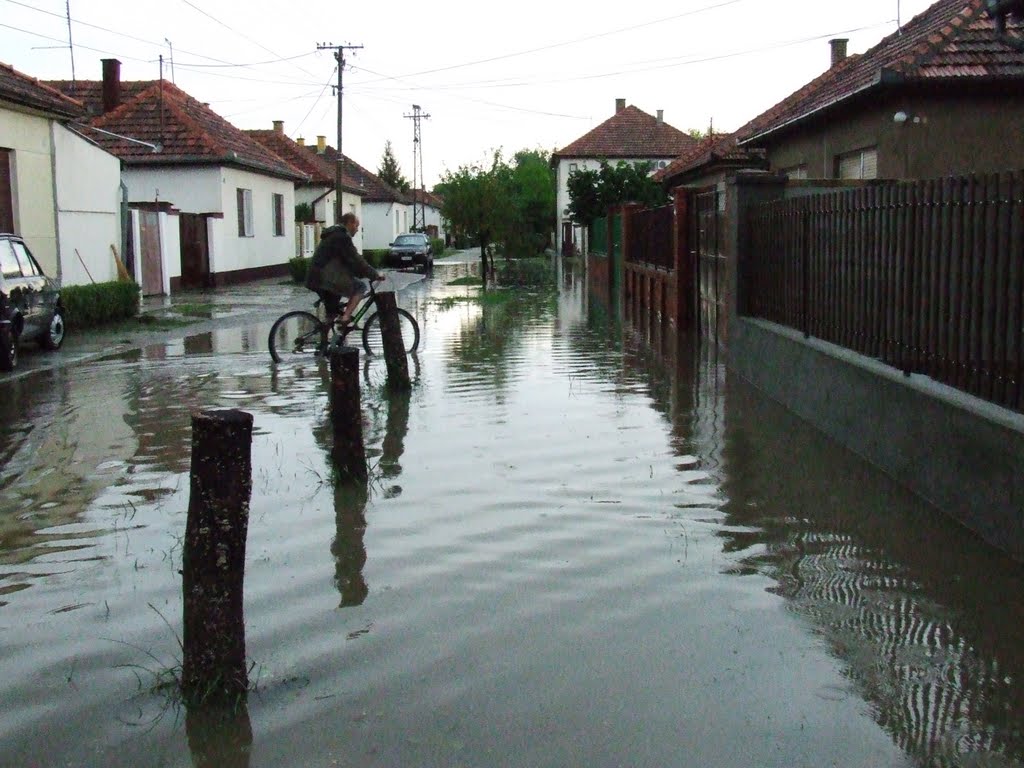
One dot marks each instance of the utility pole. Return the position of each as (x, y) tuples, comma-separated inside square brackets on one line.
[(419, 220), (71, 45), (339, 56)]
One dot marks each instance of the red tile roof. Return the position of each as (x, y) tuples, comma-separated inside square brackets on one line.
[(18, 88), (427, 198), (376, 190), (952, 40), (320, 171), (187, 131), (718, 150), (630, 133)]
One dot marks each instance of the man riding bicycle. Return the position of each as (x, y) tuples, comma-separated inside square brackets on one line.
[(335, 270)]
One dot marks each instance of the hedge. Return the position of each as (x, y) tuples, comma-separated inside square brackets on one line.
[(298, 266), (89, 305)]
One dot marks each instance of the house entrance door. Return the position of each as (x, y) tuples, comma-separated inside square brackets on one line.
[(195, 251), (152, 257)]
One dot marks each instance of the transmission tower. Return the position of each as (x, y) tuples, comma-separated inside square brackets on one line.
[(419, 212)]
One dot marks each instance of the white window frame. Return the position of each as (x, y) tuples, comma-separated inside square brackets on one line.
[(243, 198), (861, 157)]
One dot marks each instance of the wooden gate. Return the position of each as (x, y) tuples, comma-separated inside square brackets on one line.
[(152, 258), (711, 267), (195, 251)]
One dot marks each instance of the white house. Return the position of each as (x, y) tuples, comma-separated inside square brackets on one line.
[(387, 212), (214, 206), (318, 190), (58, 190), (630, 135)]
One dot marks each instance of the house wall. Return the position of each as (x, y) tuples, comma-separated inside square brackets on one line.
[(32, 184), (951, 136), (191, 190), (382, 222), (263, 254), (323, 209), (88, 208), (592, 164)]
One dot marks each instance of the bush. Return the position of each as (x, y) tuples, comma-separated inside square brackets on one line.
[(298, 267), (89, 305), (437, 246), (376, 256)]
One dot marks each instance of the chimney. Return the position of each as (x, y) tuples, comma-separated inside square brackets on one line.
[(111, 84), (301, 141), (661, 116), (620, 104), (838, 49), (279, 127), (321, 144)]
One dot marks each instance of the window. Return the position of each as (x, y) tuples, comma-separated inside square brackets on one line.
[(278, 215), (6, 192), (8, 263), (796, 171), (573, 167), (245, 228), (28, 265), (861, 164)]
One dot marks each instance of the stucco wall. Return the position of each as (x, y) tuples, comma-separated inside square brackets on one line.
[(942, 136), (383, 221), (191, 190), (32, 183), (88, 208), (263, 248)]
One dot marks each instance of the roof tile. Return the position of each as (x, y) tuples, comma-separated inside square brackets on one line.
[(630, 133), (19, 88)]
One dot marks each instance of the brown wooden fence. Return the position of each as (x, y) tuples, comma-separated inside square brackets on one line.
[(926, 276), (652, 239)]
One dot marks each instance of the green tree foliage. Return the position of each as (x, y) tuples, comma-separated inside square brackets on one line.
[(502, 203), (390, 171), (592, 192)]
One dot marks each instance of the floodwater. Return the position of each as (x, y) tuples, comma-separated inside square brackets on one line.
[(578, 547)]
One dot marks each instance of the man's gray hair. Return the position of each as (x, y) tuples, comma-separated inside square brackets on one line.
[(348, 218)]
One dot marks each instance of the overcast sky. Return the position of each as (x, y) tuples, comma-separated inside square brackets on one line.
[(527, 74)]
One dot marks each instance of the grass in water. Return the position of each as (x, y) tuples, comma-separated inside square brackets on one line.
[(468, 280)]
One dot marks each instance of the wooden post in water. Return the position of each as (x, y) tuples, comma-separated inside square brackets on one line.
[(213, 557), (349, 453), (394, 346)]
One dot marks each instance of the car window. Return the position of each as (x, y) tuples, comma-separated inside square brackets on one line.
[(8, 263), (407, 240), (28, 265)]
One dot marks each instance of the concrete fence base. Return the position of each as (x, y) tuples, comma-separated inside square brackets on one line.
[(962, 454)]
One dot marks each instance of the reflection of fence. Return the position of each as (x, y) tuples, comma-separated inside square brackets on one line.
[(652, 237), (927, 276)]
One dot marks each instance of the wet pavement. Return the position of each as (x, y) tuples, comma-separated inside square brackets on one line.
[(578, 547)]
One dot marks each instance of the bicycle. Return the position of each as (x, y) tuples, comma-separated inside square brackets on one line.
[(301, 335)]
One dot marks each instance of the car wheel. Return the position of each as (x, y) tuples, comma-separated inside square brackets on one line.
[(8, 348), (54, 336)]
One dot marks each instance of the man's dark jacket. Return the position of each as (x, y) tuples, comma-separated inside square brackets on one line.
[(335, 262)]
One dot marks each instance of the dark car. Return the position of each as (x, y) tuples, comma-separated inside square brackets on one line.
[(410, 249), (30, 308)]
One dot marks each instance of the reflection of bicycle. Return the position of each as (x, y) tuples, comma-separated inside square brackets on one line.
[(301, 335)]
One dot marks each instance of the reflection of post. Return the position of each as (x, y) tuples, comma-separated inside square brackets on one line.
[(349, 452), (219, 737), (348, 548), (213, 557), (391, 337), (394, 434)]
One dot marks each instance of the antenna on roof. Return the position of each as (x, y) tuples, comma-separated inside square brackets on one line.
[(899, 19), (169, 45), (71, 46)]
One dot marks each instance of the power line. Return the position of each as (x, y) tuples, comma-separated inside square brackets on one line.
[(326, 86), (552, 46), (64, 43), (339, 172)]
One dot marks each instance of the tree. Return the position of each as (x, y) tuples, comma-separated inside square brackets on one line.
[(534, 194), (591, 193), (478, 200), (390, 171)]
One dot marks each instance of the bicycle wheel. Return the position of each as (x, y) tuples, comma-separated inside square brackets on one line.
[(374, 345), (297, 336)]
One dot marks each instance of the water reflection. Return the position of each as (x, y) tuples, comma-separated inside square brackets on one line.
[(348, 547), (219, 737)]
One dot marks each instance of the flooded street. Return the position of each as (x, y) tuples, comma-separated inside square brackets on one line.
[(577, 547)]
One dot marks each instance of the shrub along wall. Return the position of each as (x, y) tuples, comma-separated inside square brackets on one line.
[(89, 305)]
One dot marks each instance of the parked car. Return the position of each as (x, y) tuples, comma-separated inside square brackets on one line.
[(412, 248), (30, 307)]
